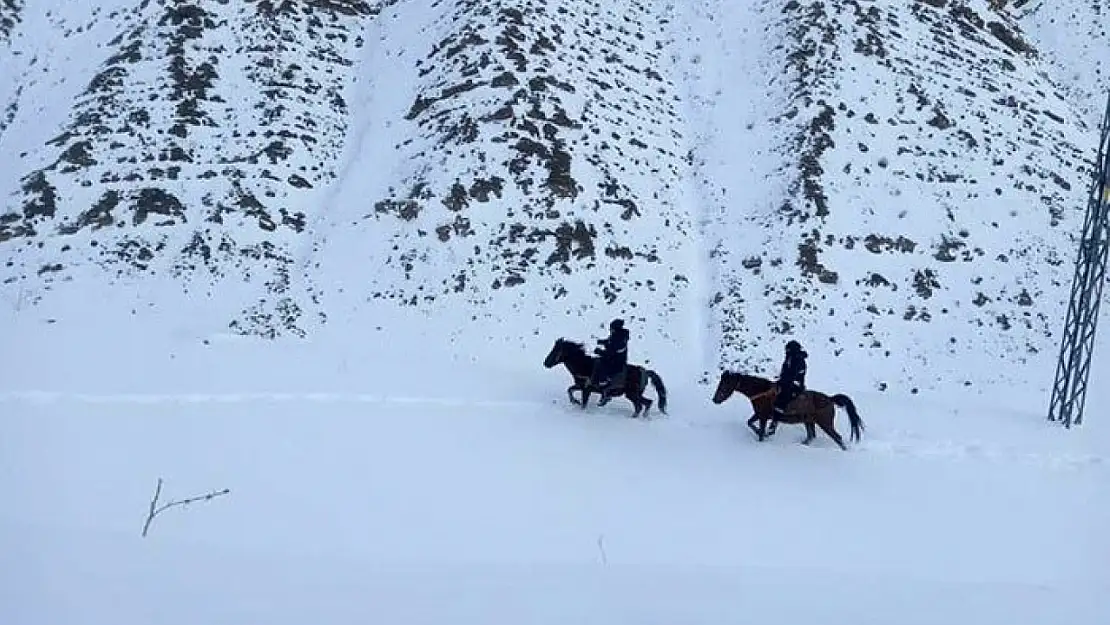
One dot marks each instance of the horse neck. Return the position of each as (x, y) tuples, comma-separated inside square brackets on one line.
[(753, 386), (578, 362)]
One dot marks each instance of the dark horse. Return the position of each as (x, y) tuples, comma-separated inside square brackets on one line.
[(811, 407), (581, 365)]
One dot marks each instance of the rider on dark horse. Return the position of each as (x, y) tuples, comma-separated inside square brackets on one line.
[(613, 357), (792, 377)]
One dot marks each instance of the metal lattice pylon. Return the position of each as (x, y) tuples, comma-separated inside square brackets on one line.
[(1074, 365)]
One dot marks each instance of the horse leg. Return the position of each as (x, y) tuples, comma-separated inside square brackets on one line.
[(811, 432), (605, 397), (585, 396), (638, 400), (581, 386), (769, 409), (635, 392), (761, 431), (607, 394), (751, 424), (570, 393), (763, 426), (830, 429)]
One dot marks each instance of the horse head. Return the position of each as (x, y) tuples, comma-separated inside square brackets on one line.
[(571, 354), (725, 386), (555, 356), (749, 385), (565, 351)]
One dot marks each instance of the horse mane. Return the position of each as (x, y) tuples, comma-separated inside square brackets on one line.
[(750, 378), (574, 344)]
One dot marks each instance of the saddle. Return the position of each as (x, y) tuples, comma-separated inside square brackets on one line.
[(615, 386), (617, 381), (796, 403)]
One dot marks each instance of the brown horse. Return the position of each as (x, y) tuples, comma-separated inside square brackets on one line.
[(810, 407)]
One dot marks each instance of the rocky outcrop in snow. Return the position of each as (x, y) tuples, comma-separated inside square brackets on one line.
[(194, 149), (940, 177)]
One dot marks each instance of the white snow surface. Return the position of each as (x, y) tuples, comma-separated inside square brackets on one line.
[(416, 464), (1075, 37), (391, 478)]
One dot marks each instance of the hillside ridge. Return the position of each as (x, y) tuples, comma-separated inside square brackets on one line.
[(940, 180), (877, 180)]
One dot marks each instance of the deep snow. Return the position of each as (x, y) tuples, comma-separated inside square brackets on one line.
[(403, 484), (410, 468)]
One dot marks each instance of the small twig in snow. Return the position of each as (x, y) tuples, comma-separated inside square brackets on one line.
[(601, 548), (155, 510)]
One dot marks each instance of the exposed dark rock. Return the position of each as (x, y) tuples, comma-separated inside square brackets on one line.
[(10, 16), (131, 136)]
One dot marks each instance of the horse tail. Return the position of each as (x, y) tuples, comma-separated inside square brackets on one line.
[(846, 403), (660, 390)]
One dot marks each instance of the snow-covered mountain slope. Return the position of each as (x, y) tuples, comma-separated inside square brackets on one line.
[(522, 160), (936, 178), (1075, 37), (191, 151), (895, 184)]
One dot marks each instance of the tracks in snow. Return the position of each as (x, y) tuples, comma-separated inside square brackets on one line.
[(236, 398), (896, 444), (985, 452)]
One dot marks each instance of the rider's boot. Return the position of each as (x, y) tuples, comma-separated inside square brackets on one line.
[(777, 414), (603, 388)]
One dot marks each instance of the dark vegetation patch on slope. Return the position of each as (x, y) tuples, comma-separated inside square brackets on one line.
[(973, 82), (10, 17), (189, 173), (494, 103), (10, 14), (967, 72)]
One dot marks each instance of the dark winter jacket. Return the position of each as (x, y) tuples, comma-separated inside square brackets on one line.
[(616, 346), (794, 370)]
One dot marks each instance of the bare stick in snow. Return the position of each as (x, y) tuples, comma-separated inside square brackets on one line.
[(155, 509)]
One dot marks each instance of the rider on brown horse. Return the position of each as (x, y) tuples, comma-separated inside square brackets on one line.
[(792, 377)]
